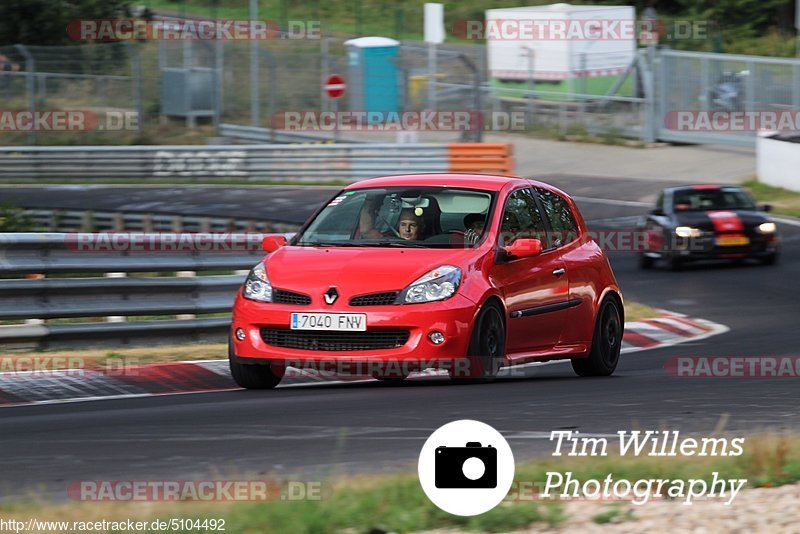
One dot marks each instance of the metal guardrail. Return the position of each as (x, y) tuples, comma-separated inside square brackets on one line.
[(294, 163), (80, 295), (254, 134), (59, 220), (247, 162)]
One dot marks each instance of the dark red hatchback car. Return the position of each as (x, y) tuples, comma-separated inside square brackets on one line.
[(403, 273)]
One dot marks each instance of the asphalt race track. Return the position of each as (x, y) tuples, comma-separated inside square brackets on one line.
[(323, 430)]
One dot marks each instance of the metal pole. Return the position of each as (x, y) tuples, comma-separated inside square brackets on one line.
[(272, 78), (336, 132), (431, 76), (325, 72), (30, 68), (477, 133), (219, 66), (529, 102), (583, 74), (137, 85), (255, 112), (655, 85), (750, 102)]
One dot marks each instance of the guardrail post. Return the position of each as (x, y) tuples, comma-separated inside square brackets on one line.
[(34, 277), (186, 274), (87, 221), (147, 223), (118, 222), (116, 318)]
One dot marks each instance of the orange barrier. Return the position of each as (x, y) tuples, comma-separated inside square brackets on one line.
[(481, 158)]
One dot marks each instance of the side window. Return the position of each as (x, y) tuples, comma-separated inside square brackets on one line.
[(660, 203), (562, 221), (521, 218)]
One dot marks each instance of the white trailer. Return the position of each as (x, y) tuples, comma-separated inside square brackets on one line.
[(567, 42)]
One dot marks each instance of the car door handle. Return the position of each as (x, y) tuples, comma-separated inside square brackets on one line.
[(559, 272)]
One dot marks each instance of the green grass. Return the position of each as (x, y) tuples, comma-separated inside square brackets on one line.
[(635, 311), (783, 201), (404, 19), (613, 514), (396, 503)]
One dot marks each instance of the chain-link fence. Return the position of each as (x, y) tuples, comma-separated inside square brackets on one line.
[(105, 80), (168, 85)]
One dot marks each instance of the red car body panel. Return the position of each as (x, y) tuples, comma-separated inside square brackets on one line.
[(521, 284)]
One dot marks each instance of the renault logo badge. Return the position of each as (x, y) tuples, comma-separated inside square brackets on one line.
[(331, 295)]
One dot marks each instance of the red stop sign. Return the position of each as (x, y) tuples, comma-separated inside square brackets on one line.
[(334, 86)]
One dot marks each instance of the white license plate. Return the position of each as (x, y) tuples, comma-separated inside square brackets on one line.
[(332, 322)]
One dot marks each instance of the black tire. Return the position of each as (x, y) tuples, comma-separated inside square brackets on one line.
[(606, 342), (251, 375), (645, 262), (771, 259), (674, 262), (487, 346), (390, 379)]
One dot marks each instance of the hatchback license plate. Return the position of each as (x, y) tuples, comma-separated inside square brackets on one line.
[(331, 322), (733, 241)]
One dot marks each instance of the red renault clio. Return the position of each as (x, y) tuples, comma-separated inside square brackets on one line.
[(460, 272)]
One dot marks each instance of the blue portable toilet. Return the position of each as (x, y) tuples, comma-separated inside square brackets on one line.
[(372, 74)]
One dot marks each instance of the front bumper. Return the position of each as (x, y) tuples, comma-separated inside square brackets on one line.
[(706, 248), (452, 317)]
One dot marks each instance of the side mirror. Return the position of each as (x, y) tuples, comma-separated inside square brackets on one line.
[(766, 207), (524, 248), (271, 243)]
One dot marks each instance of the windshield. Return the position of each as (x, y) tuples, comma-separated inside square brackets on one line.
[(713, 199), (429, 217)]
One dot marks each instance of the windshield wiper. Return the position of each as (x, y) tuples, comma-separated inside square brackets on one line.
[(400, 244), (325, 244)]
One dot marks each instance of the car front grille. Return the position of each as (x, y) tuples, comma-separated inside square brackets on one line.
[(375, 299), (334, 341), (281, 296)]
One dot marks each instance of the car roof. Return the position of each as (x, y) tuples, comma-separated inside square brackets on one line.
[(486, 182), (701, 187)]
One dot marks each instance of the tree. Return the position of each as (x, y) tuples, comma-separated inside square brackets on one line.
[(44, 22)]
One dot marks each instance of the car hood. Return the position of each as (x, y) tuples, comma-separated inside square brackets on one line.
[(355, 270), (720, 220)]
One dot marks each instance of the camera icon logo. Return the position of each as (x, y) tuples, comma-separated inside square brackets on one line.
[(466, 467), (472, 466)]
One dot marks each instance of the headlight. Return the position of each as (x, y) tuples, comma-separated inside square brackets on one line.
[(767, 228), (687, 231), (439, 284), (257, 286)]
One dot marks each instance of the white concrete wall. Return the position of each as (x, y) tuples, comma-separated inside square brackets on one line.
[(778, 163)]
